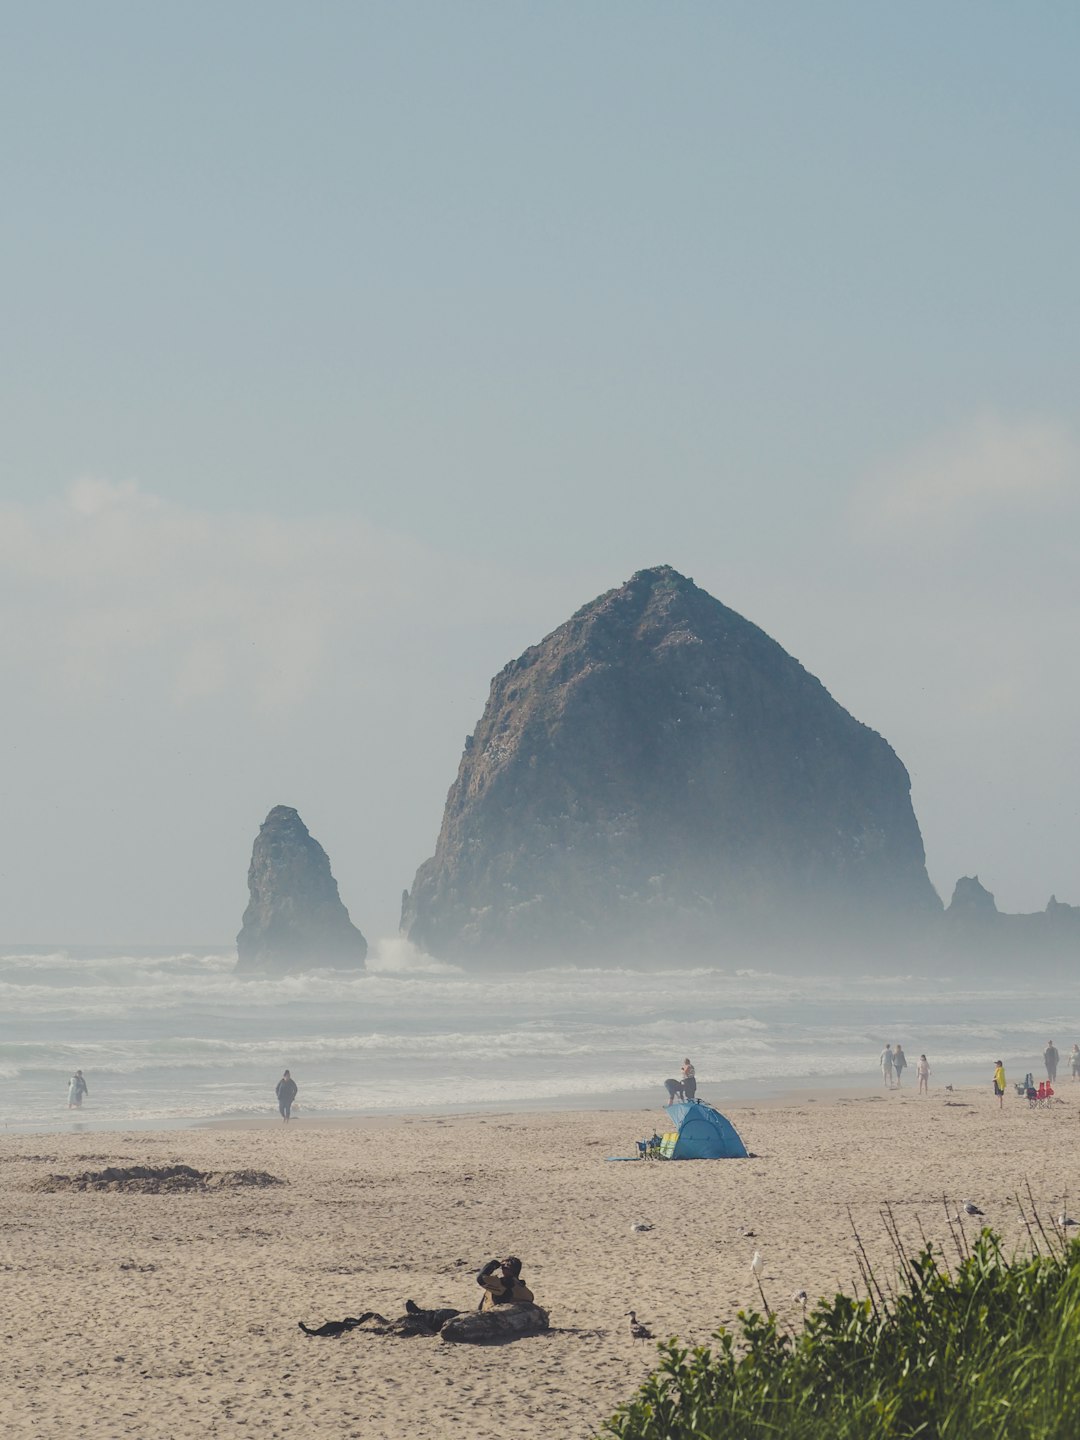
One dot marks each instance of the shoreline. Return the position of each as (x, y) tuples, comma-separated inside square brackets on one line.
[(822, 1089)]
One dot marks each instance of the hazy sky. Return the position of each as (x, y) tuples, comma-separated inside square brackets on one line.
[(348, 348)]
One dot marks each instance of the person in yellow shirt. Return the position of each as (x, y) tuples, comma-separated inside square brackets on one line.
[(999, 1082)]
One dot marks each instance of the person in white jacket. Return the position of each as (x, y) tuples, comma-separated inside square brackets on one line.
[(76, 1090), (885, 1061)]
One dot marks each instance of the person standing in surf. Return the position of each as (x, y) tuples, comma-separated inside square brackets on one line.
[(285, 1090), (885, 1061), (77, 1088)]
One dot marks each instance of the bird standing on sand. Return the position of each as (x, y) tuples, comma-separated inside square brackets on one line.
[(970, 1209), (637, 1330), (640, 1226), (1065, 1222), (757, 1264)]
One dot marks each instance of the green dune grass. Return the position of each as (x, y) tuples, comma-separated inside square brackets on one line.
[(989, 1350)]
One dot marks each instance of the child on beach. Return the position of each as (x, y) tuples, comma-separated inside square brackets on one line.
[(999, 1082), (922, 1070)]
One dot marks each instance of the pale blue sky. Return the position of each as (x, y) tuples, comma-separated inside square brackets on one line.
[(374, 339)]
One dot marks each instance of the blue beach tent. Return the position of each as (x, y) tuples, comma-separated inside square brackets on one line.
[(701, 1133)]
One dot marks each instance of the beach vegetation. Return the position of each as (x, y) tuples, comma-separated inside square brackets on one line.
[(985, 1349)]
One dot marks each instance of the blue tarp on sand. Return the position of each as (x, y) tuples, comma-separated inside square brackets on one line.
[(701, 1133)]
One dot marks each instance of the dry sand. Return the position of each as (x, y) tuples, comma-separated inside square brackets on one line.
[(175, 1314)]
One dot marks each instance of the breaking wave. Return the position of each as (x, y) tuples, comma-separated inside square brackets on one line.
[(178, 1036)]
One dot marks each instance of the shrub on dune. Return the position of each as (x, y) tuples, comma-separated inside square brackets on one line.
[(990, 1351)]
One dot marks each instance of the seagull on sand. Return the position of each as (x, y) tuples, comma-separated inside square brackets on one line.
[(971, 1209), (799, 1297), (640, 1226), (1065, 1222), (757, 1264), (637, 1330)]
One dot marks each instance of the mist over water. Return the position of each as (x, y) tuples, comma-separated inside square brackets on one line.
[(177, 1037)]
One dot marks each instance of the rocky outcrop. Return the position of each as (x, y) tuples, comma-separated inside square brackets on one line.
[(659, 774), (971, 902), (975, 930), (295, 919)]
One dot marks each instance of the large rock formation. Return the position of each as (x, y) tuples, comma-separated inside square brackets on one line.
[(659, 774), (295, 919)]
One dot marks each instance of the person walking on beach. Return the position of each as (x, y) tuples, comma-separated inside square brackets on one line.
[(1051, 1057), (689, 1080), (922, 1070), (899, 1062), (285, 1090), (1074, 1062), (999, 1082), (885, 1061), (76, 1090)]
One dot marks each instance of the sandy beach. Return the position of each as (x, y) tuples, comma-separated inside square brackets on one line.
[(175, 1314)]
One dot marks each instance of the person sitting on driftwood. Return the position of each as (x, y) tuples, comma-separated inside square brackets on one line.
[(506, 1312), (502, 1284)]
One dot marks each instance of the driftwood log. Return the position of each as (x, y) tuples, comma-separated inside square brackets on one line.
[(495, 1326)]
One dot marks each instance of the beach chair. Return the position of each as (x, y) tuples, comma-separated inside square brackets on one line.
[(642, 1149)]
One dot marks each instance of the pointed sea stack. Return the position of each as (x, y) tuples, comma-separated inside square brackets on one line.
[(660, 779), (295, 919)]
